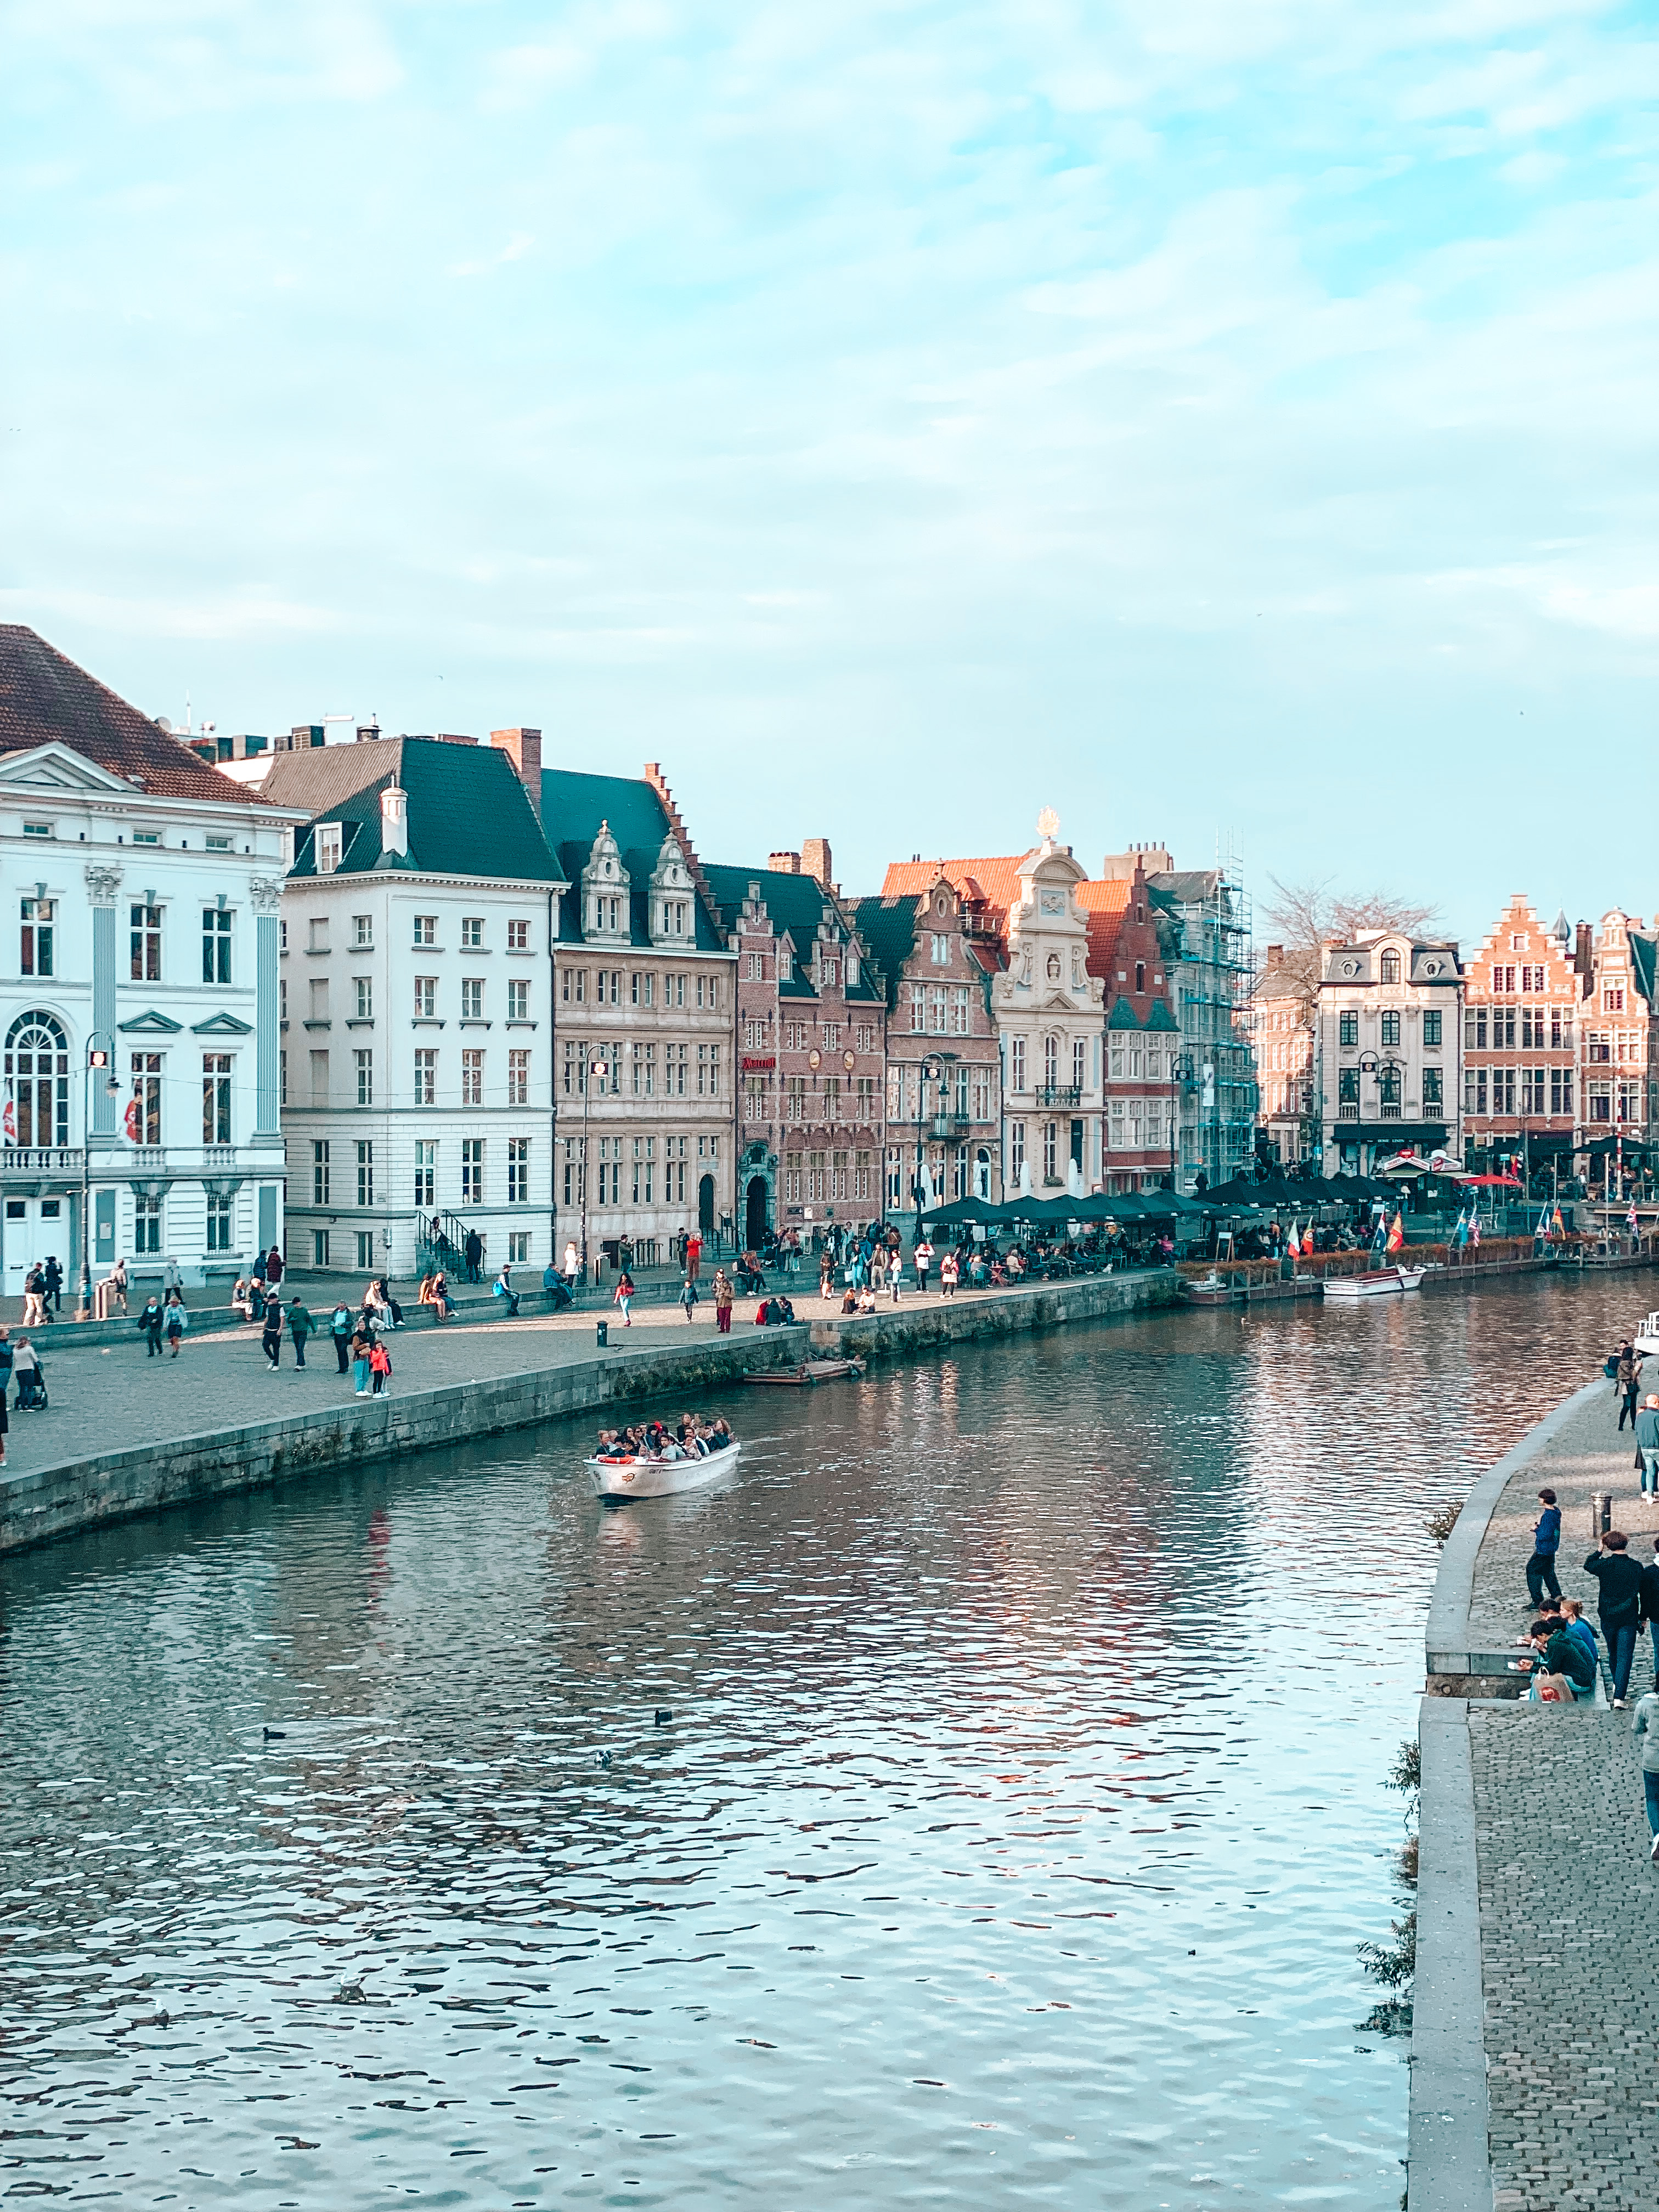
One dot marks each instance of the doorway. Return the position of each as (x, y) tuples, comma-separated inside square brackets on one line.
[(755, 1213), (705, 1205), (35, 1227)]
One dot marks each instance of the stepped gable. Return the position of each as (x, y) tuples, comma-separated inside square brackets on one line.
[(47, 698)]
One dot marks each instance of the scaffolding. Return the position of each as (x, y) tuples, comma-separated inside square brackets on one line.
[(1213, 961)]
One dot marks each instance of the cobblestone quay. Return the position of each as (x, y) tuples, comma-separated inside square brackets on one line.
[(1568, 2005)]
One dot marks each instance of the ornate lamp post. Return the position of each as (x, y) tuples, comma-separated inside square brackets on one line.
[(933, 1067), (97, 1057)]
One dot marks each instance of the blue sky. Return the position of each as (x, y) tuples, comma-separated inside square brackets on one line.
[(1204, 416)]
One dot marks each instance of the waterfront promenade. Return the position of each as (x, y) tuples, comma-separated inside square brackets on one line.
[(1568, 1903)]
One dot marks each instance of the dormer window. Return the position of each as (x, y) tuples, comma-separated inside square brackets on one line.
[(327, 842), (851, 970), (1389, 967), (785, 962)]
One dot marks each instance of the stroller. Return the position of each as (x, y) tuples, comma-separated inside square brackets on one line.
[(32, 1388)]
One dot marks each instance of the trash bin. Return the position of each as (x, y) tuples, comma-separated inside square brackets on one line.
[(604, 1334)]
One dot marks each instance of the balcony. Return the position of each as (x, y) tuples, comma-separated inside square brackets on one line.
[(945, 1127), (1348, 1110), (1059, 1094), (32, 1168)]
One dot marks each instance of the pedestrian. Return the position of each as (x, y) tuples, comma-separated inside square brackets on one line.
[(1644, 1735), (257, 1273), (693, 1253), (438, 1298), (689, 1296), (623, 1296), (174, 1321), (895, 1272), (171, 1278), (362, 1349), (573, 1267), (379, 1368), (1647, 1444), (34, 1295), (826, 1273), (1545, 1543), (1620, 1606), (270, 1332), (878, 1269), (118, 1282), (300, 1326), (924, 1262), (6, 1418), (474, 1253), (274, 1267), (149, 1323), (6, 1357), (950, 1274), (54, 1275), (503, 1288), (27, 1368), (1629, 1376), (723, 1302)]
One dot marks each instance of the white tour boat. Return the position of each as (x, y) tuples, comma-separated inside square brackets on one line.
[(1646, 1338), (1379, 1283), (617, 1479)]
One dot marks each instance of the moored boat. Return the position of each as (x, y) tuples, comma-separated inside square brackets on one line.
[(809, 1371), (645, 1477), (1646, 1338), (1379, 1283)]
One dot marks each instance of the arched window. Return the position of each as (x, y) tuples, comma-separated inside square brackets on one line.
[(1390, 968), (37, 1079)]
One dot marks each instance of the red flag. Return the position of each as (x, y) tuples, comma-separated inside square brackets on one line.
[(8, 1122), (130, 1121), (1397, 1234)]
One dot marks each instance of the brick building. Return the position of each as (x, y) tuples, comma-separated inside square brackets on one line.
[(1618, 1041), (1522, 1090), (1280, 1026)]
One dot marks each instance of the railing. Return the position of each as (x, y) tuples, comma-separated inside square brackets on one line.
[(1347, 1112), (218, 1155), (1059, 1094), (948, 1125), (54, 1159), (1390, 1113)]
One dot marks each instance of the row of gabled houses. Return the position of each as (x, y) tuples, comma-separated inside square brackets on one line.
[(358, 993)]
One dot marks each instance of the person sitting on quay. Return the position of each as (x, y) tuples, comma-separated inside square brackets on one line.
[(436, 1295), (240, 1302), (1570, 1614), (389, 1313), (1561, 1674), (1620, 1606), (1545, 1543), (503, 1288)]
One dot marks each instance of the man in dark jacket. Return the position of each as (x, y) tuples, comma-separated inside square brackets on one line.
[(1545, 1543), (474, 1252), (1628, 1377), (1620, 1606), (1651, 1604)]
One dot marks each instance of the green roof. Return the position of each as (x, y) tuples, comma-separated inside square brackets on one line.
[(1642, 950), (795, 904), (887, 926), (1123, 1017), (573, 806), (469, 815)]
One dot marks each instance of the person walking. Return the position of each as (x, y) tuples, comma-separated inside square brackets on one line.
[(118, 1282), (1650, 1604), (361, 1348), (949, 1273), (270, 1332), (503, 1288), (1629, 1376), (723, 1302), (1647, 1443), (27, 1368), (149, 1323), (573, 1266), (1618, 1607), (300, 1326), (474, 1254), (689, 1298), (34, 1295), (339, 1328), (54, 1275), (175, 1321), (379, 1370), (1644, 1735), (924, 1262), (171, 1278), (693, 1253), (1545, 1543), (623, 1296), (274, 1269), (826, 1273)]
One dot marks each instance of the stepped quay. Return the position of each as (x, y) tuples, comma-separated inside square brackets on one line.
[(1537, 2009), (126, 1434)]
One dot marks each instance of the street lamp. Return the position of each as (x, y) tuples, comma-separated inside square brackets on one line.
[(595, 1071), (96, 1058), (934, 1066)]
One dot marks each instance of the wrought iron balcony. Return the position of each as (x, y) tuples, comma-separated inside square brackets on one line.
[(1059, 1094), (946, 1126)]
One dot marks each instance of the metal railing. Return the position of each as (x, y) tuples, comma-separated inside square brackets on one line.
[(1059, 1094)]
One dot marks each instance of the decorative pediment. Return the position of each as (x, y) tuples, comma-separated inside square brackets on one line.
[(57, 768), (221, 1025), (149, 1025), (1057, 1003)]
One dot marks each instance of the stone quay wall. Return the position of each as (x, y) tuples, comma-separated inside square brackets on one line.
[(47, 1503)]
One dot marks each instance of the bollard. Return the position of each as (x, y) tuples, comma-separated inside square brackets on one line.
[(1600, 1513), (604, 1334)]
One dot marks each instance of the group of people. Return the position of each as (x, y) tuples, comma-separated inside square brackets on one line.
[(21, 1360), (43, 1292), (693, 1436)]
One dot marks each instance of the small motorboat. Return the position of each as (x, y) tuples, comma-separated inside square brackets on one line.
[(809, 1371), (615, 1480), (1379, 1283), (1646, 1338)]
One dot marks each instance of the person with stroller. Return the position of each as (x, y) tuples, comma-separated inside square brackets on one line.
[(31, 1383)]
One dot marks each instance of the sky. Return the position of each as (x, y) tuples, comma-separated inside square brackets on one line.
[(1229, 422)]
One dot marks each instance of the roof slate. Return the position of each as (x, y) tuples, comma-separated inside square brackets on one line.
[(573, 806), (469, 815), (795, 904), (45, 695)]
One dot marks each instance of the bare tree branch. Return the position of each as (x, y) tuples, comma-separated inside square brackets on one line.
[(1304, 916)]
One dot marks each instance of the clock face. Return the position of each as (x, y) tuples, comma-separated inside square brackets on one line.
[(1053, 903)]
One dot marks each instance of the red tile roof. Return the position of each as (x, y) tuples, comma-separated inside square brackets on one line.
[(1104, 903), (45, 698)]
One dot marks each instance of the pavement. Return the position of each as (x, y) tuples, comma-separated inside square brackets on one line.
[(1569, 1902), (112, 1397)]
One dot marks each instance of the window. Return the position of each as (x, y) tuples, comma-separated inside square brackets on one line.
[(1434, 1098), (572, 986), (472, 998), (831, 1032), (866, 1038), (281, 936), (146, 944), (426, 997), (44, 829), (319, 936), (1079, 1052), (642, 989), (1016, 1150), (472, 1079), (35, 954), (364, 987), (218, 1222), (981, 1094), (1503, 1091), (575, 1171), (365, 1078), (1532, 1091), (319, 1078), (1474, 1029), (1560, 1091), (37, 1080), (1016, 1064), (425, 929), (218, 844), (609, 981), (471, 932), (518, 1079), (518, 936), (282, 1078), (1532, 979), (1050, 1061), (215, 1098), (676, 1058), (518, 1245), (644, 1062), (326, 847), (365, 1172), (362, 933), (1348, 1026), (673, 990), (365, 1248), (1601, 1102), (320, 1248), (472, 1154), (139, 836), (1431, 1026), (1348, 1088), (426, 1078), (1612, 999), (146, 1224), (1389, 967), (319, 1170), (145, 1126), (1391, 1026), (518, 999), (941, 950), (281, 999), (518, 1170), (426, 1172), (756, 967), (609, 1170), (709, 1071)]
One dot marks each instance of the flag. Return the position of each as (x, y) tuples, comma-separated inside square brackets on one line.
[(1397, 1234), (1293, 1242), (1560, 1225), (8, 1122), (1475, 1231), (1632, 1217), (130, 1121)]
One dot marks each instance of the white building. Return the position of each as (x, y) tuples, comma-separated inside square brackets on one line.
[(1389, 1050), (1050, 1020), (139, 923), (417, 1003)]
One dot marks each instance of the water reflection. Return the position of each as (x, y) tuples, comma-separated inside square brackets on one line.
[(1018, 1811)]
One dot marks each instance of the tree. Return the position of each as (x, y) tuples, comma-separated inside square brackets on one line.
[(1305, 915)]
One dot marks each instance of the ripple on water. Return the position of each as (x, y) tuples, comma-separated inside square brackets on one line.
[(1020, 1811)]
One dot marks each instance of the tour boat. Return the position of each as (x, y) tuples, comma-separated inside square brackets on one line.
[(1646, 1338), (1379, 1283), (617, 1478)]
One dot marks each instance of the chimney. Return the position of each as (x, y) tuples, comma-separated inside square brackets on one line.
[(783, 863), (1583, 960), (394, 819), (1275, 956), (524, 748), (815, 859)]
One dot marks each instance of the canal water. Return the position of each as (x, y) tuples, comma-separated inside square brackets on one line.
[(978, 1800)]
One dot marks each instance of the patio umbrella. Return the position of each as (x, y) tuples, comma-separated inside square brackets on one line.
[(964, 1211)]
